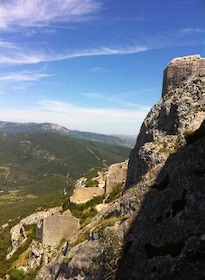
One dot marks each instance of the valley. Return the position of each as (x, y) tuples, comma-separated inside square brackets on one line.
[(37, 168)]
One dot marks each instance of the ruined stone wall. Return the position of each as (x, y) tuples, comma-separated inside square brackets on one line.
[(17, 234), (180, 69), (84, 194), (58, 227), (107, 181), (116, 175)]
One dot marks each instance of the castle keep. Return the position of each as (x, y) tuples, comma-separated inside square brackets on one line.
[(57, 227)]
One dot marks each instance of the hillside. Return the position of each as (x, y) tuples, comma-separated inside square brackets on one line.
[(35, 168)]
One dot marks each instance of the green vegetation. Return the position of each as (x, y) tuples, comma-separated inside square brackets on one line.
[(108, 222), (30, 157), (112, 250), (30, 234), (4, 245), (16, 274), (36, 168), (37, 172), (166, 149), (7, 266), (19, 203), (84, 211), (116, 193), (193, 136), (92, 173)]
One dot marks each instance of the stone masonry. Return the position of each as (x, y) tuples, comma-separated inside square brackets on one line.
[(180, 69), (116, 174), (57, 227)]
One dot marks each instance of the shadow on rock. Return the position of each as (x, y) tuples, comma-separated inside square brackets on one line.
[(167, 238)]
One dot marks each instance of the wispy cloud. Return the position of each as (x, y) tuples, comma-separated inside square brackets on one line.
[(98, 69), (24, 76), (120, 99), (39, 13), (12, 53), (192, 30), (93, 95)]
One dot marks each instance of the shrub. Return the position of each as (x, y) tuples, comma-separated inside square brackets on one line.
[(16, 274)]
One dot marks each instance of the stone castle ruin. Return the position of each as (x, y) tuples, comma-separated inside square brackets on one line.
[(107, 181), (57, 227), (52, 228), (115, 175)]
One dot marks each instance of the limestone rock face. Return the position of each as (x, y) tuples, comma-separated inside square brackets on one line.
[(180, 109), (166, 238)]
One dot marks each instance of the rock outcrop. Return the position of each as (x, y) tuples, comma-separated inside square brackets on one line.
[(156, 230), (166, 238), (181, 109)]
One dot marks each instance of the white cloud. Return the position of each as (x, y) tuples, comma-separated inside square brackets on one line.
[(12, 53), (108, 121), (38, 13), (93, 95), (23, 76), (98, 69), (192, 30)]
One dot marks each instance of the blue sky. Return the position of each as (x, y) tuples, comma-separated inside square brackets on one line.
[(92, 65)]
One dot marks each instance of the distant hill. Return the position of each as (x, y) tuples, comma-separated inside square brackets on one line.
[(37, 168), (33, 156), (14, 127)]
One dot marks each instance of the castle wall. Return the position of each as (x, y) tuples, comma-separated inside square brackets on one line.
[(84, 194), (180, 69), (58, 227), (116, 174), (107, 181)]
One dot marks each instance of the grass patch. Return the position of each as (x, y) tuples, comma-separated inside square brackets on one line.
[(84, 211), (116, 193), (169, 150), (193, 136)]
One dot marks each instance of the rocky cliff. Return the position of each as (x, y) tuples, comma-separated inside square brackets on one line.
[(180, 110), (156, 229)]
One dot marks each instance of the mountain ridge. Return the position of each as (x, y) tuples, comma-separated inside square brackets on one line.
[(15, 127)]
